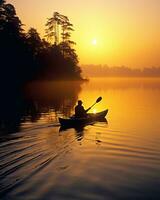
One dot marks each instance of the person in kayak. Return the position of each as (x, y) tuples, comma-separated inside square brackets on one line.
[(80, 112)]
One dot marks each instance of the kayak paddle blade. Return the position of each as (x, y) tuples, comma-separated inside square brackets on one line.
[(99, 99)]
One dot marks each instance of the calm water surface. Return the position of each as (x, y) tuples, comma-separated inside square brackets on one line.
[(117, 159)]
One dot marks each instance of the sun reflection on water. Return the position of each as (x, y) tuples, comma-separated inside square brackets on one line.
[(94, 111)]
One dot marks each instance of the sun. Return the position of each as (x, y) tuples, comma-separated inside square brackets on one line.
[(94, 42)]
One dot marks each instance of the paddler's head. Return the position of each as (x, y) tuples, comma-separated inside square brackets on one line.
[(80, 102)]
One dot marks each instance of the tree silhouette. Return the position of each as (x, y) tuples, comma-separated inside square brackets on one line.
[(10, 23), (25, 56), (52, 30), (34, 41), (60, 25)]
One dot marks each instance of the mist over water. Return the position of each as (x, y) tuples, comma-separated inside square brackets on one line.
[(117, 159)]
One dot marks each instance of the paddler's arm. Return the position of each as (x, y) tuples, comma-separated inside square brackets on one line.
[(87, 109)]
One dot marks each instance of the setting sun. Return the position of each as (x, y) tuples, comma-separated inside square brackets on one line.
[(94, 42), (127, 31)]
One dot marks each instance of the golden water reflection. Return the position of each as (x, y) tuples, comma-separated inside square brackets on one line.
[(132, 100), (42, 162)]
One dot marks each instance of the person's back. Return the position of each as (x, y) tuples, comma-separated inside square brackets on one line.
[(79, 110)]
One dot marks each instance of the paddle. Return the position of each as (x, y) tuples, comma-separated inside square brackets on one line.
[(97, 101)]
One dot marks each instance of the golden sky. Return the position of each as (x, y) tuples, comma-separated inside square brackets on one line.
[(113, 32)]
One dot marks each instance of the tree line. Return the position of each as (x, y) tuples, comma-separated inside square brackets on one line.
[(119, 71), (26, 56)]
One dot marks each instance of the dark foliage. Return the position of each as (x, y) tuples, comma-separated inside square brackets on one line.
[(25, 56)]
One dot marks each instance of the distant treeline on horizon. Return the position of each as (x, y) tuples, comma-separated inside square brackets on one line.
[(119, 71)]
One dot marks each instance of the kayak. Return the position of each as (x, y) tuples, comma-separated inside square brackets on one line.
[(91, 117)]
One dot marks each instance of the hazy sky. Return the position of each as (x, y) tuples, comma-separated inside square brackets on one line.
[(113, 32)]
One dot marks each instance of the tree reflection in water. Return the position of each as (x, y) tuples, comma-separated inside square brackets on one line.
[(36, 99)]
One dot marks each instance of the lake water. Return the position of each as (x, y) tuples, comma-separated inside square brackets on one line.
[(114, 160)]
